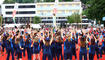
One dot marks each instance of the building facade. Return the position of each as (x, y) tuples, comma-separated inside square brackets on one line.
[(26, 12)]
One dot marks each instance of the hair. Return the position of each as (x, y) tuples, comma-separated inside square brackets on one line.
[(28, 38), (17, 41), (83, 41), (92, 41)]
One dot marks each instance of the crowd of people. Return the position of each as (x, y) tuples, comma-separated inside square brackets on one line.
[(51, 42)]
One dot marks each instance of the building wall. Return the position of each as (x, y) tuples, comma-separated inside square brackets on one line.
[(43, 10)]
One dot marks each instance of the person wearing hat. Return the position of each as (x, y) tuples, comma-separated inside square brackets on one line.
[(102, 47)]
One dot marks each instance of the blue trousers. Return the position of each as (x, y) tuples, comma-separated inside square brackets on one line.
[(83, 52), (11, 50)]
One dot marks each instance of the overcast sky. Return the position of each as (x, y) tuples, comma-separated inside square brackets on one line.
[(1, 1)]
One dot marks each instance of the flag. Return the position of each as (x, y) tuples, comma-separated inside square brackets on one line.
[(55, 11), (13, 14)]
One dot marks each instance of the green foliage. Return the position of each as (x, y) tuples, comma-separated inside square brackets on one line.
[(85, 1), (27, 1), (96, 9), (74, 18), (0, 19), (36, 20), (68, 0), (9, 1)]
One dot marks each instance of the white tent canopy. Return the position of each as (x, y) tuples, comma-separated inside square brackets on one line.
[(12, 25), (35, 26)]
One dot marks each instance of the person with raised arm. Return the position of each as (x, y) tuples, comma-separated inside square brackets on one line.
[(59, 43), (83, 47), (28, 45), (36, 47), (9, 47), (102, 46), (92, 48), (47, 45), (67, 48)]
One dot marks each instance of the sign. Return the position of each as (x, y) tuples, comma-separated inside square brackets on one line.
[(103, 19)]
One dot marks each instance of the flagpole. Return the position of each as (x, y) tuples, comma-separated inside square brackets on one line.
[(54, 14)]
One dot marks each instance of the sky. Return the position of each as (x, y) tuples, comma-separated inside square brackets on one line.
[(1, 1)]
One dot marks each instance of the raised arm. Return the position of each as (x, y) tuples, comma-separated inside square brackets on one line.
[(51, 36), (43, 37)]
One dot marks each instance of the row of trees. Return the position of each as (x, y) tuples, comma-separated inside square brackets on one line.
[(74, 18)]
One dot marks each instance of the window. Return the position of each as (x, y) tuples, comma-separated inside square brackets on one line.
[(8, 12), (49, 17), (27, 6), (25, 12), (61, 17), (9, 7)]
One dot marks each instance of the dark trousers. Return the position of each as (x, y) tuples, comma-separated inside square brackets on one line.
[(74, 52), (11, 50), (101, 51), (58, 55), (23, 51), (47, 55), (67, 55), (97, 52), (91, 56), (29, 53), (83, 52)]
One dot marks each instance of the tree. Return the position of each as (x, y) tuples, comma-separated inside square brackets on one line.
[(9, 1), (84, 1), (27, 1), (0, 19), (36, 20), (96, 9), (74, 18)]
